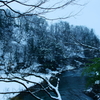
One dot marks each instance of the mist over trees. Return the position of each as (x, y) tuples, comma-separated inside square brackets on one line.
[(30, 39)]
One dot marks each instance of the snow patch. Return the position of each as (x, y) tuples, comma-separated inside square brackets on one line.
[(23, 42), (97, 73), (14, 42), (97, 82), (34, 67), (68, 67), (14, 87), (89, 90)]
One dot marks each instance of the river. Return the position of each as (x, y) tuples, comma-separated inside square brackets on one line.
[(71, 87)]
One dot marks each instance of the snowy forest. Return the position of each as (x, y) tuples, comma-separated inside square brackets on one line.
[(53, 46), (28, 40)]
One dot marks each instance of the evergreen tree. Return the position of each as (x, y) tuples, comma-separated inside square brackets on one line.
[(92, 70)]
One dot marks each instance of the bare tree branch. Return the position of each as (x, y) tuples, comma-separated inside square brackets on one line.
[(37, 9), (19, 80), (84, 45)]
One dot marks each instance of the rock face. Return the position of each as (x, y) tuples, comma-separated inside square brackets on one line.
[(77, 61), (96, 88), (94, 92)]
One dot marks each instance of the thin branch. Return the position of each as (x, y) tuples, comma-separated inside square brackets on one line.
[(10, 7), (37, 6), (45, 89), (55, 89), (84, 45), (50, 86), (7, 2), (47, 8), (10, 80), (13, 92)]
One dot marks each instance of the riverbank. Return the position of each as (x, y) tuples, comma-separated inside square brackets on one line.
[(71, 87), (93, 92)]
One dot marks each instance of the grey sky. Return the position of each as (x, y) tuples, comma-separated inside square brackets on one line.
[(89, 16)]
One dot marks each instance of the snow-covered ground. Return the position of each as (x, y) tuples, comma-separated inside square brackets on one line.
[(14, 87), (68, 67)]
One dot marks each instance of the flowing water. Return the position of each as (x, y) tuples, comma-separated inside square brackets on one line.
[(72, 86)]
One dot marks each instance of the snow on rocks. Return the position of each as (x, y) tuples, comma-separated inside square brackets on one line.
[(15, 86), (68, 67)]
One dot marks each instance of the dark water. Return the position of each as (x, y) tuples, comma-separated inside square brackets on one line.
[(71, 87)]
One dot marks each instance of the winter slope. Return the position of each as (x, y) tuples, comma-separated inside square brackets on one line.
[(14, 87)]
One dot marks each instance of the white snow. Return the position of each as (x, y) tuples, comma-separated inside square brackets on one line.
[(23, 42), (14, 42), (89, 90), (97, 73), (13, 86), (68, 67), (16, 87), (34, 67), (97, 82)]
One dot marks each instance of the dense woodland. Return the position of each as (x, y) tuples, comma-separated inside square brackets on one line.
[(30, 39)]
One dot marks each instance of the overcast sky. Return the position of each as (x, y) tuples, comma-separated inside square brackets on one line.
[(89, 16)]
